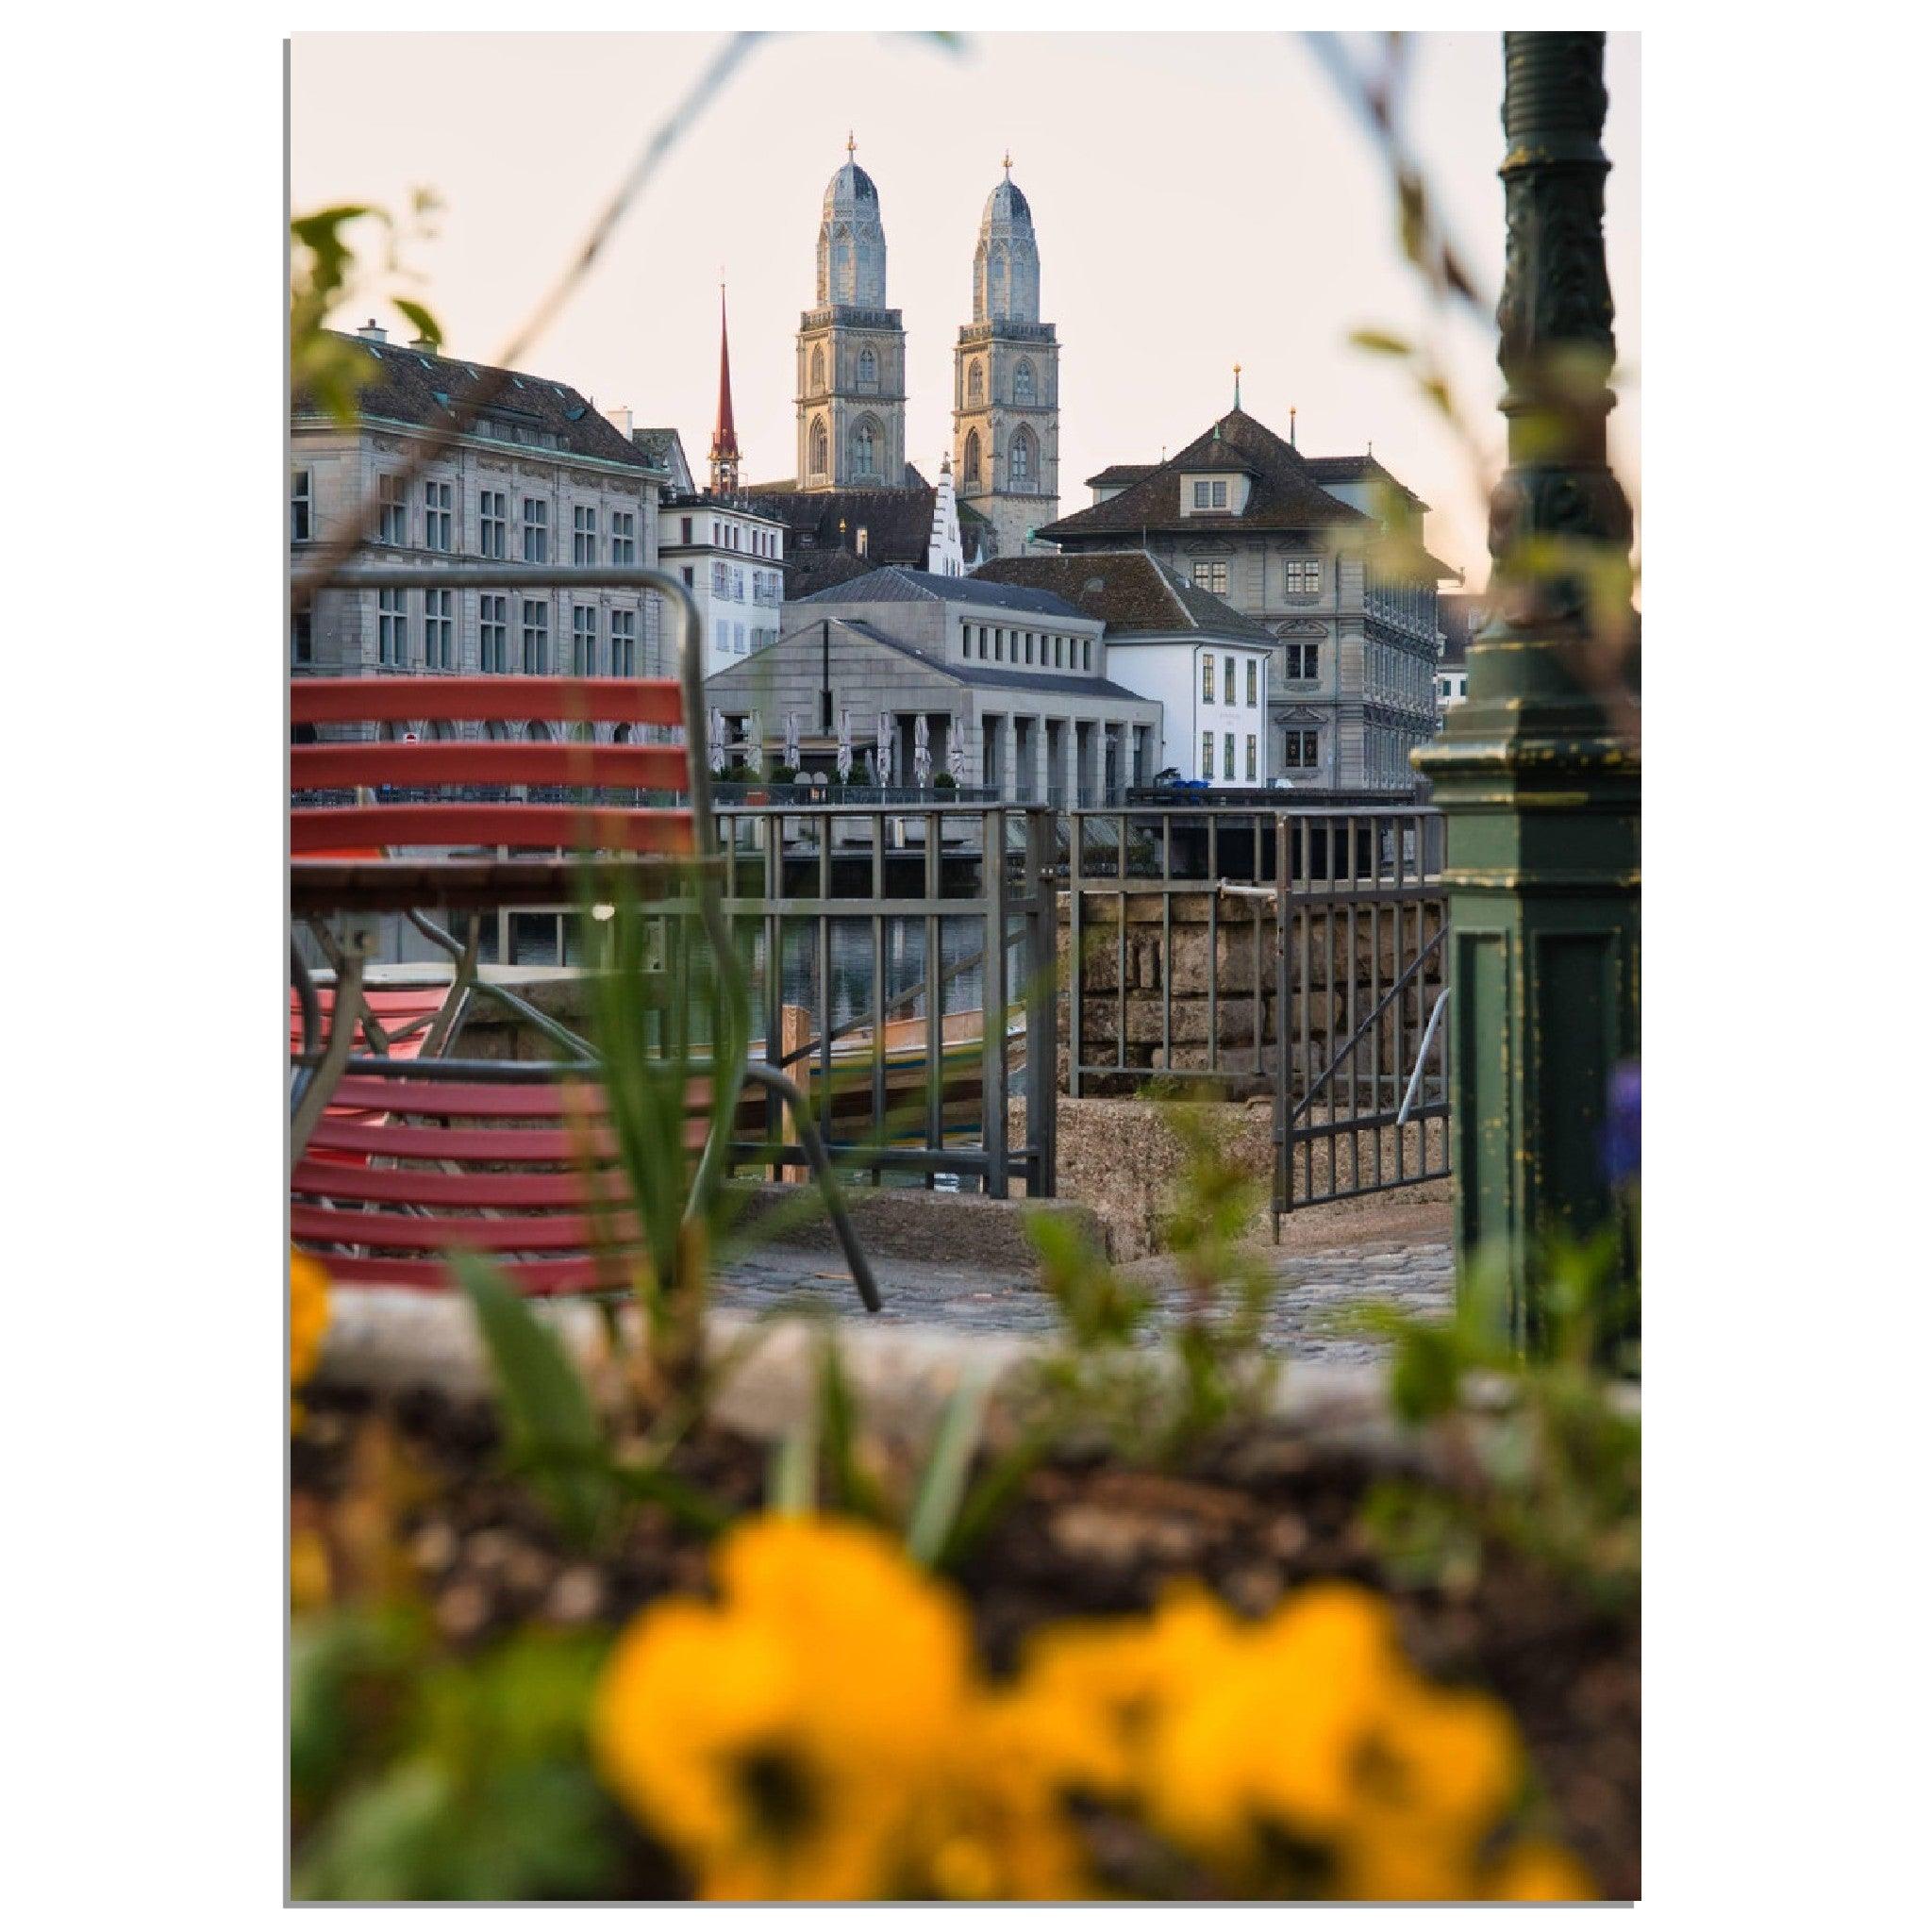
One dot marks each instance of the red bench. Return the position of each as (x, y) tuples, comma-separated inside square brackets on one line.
[(399, 1162)]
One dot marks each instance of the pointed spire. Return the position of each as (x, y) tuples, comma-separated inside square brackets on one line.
[(724, 437), (1290, 425), (1236, 385)]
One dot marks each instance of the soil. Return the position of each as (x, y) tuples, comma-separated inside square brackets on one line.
[(1252, 1519)]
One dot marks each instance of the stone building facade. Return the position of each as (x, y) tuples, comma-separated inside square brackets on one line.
[(1007, 382), (1018, 677), (1328, 553), (538, 478)]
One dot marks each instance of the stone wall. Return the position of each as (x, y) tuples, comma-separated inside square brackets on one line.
[(1341, 964)]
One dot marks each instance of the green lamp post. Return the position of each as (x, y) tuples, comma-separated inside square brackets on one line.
[(1537, 771)]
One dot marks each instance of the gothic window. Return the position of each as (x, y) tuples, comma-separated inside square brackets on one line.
[(868, 368), (820, 460), (1022, 383), (975, 386), (817, 372), (973, 446), (1020, 461), (864, 443)]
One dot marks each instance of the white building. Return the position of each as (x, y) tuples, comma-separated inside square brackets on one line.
[(1198, 657), (730, 553)]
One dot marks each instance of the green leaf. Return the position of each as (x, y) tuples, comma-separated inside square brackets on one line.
[(847, 1485), (1379, 343), (548, 1416), (791, 1481), (942, 1484), (426, 324)]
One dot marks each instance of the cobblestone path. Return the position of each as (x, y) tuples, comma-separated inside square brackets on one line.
[(1308, 1316)]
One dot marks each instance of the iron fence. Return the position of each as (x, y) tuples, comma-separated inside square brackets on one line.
[(1296, 952)]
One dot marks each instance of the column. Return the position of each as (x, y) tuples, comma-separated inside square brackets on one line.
[(1009, 764), (1538, 771)]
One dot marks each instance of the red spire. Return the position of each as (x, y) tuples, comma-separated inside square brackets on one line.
[(724, 437)]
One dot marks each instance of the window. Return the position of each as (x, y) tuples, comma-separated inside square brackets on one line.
[(494, 506), (536, 530), (439, 630), (1251, 758), (864, 540), (436, 520), (623, 644), (1086, 654), (1303, 575), (1254, 685), (1301, 753), (1227, 754), (536, 638), (1207, 680), (302, 638), (690, 576), (393, 511), (975, 386), (623, 536), (1227, 683), (391, 629), (868, 368), (818, 371), (1029, 647), (972, 457), (1020, 459), (820, 446), (302, 506), (982, 642), (583, 640), (1206, 754), (1210, 493), (999, 646), (738, 587), (1303, 661), (493, 634), (1022, 383), (721, 578), (684, 529), (1212, 576), (583, 534), (864, 443)]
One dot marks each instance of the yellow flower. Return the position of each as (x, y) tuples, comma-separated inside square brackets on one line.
[(785, 1740), (1534, 1868), (308, 1314), (1275, 1733)]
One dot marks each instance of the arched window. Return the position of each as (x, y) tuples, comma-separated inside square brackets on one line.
[(821, 452), (972, 448), (1022, 383), (1020, 461), (817, 372), (864, 443), (868, 367), (975, 385), (537, 732)]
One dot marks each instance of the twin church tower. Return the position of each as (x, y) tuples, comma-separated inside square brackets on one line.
[(1005, 367)]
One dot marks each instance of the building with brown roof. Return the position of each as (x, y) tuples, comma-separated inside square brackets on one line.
[(1327, 554), (452, 461)]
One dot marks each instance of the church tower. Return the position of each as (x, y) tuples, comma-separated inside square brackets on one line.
[(850, 350), (724, 436), (1007, 381)]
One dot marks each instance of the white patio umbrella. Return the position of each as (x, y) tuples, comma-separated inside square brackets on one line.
[(844, 763), (955, 750), (884, 753), (717, 749), (792, 740), (922, 750), (755, 744)]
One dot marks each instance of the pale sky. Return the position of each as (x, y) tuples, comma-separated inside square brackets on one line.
[(1199, 199)]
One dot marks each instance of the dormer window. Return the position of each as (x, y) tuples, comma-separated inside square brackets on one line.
[(1210, 493), (1224, 495)]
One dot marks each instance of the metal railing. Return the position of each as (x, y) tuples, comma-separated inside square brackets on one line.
[(1296, 952)]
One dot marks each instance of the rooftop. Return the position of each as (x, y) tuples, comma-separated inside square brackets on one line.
[(417, 386), (1128, 590), (894, 584)]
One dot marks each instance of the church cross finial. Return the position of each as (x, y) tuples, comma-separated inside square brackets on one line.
[(1006, 160), (851, 145)]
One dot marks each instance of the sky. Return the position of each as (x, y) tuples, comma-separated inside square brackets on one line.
[(1199, 200)]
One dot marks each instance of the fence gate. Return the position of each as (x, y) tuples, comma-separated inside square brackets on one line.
[(1361, 1087)]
